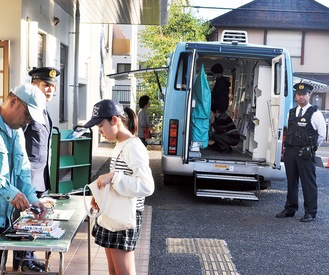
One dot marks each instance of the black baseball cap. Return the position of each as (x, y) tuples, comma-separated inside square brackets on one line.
[(106, 108), (303, 88), (47, 74)]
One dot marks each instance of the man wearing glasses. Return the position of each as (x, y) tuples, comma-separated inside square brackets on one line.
[(23, 104), (38, 141)]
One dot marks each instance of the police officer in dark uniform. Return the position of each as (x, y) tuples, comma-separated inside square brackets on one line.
[(38, 142), (38, 136), (305, 133)]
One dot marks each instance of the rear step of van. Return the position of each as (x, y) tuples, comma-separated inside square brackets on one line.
[(205, 186)]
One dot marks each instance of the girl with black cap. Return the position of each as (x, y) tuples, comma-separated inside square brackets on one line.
[(131, 177)]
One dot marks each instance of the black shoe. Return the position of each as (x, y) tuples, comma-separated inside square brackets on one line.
[(39, 264), (285, 214), (29, 266), (308, 218)]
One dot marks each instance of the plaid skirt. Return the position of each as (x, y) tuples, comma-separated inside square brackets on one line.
[(124, 240)]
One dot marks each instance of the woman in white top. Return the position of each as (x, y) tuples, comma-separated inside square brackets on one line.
[(132, 177)]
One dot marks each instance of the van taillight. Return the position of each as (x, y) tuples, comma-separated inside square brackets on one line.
[(173, 137)]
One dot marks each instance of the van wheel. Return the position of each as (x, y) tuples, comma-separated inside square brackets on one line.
[(264, 184)]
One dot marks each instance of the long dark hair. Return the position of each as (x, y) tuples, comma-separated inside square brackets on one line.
[(131, 120)]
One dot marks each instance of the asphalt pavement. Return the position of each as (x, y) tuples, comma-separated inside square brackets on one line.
[(257, 241)]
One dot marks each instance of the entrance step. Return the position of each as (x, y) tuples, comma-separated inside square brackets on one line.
[(211, 185)]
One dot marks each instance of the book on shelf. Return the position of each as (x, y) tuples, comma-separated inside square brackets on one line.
[(55, 234), (55, 214), (77, 133), (35, 221), (36, 225)]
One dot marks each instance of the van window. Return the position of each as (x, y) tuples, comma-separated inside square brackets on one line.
[(277, 76), (181, 75)]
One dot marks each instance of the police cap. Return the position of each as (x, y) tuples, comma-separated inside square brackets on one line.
[(47, 74), (303, 88)]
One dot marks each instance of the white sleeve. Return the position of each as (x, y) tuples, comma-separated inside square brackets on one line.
[(141, 182), (319, 124)]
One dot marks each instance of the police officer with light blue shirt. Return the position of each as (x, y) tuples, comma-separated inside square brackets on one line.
[(305, 133)]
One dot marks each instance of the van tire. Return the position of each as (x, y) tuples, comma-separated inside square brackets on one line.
[(264, 184)]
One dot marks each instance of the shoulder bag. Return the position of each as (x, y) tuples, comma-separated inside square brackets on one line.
[(116, 212)]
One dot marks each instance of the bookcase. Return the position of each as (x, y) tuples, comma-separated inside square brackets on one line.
[(70, 159)]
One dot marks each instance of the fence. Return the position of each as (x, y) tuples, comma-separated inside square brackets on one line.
[(122, 93)]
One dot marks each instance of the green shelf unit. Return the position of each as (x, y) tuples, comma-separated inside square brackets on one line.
[(71, 161), (65, 186), (71, 158)]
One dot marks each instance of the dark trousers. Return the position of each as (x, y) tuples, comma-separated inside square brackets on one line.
[(301, 169), (224, 141)]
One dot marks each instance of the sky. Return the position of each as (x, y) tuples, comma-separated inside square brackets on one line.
[(225, 4)]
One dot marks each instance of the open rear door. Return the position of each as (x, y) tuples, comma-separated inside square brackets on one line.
[(189, 108), (275, 108)]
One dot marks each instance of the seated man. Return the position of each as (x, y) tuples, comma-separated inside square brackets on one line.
[(223, 132)]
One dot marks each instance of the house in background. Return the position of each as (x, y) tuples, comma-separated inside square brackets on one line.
[(302, 27), (126, 56)]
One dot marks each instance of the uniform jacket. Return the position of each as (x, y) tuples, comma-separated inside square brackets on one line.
[(300, 131), (38, 142), (14, 171)]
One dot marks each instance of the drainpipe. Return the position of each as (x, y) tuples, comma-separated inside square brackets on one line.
[(76, 66)]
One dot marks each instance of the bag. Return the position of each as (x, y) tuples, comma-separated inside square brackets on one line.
[(116, 212), (147, 133)]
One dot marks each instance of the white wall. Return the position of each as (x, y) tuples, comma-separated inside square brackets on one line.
[(41, 13), (10, 29), (316, 53)]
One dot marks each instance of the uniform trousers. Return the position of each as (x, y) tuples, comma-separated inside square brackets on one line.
[(298, 168)]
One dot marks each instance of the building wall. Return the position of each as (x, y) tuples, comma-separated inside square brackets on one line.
[(316, 53), (20, 22), (10, 29), (134, 58)]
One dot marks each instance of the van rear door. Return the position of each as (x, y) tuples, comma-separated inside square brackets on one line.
[(276, 112), (188, 105)]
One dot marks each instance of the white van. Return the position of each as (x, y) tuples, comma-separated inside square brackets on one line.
[(261, 94)]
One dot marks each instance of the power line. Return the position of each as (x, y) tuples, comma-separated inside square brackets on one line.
[(264, 10)]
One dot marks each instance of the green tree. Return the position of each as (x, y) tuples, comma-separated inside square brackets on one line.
[(162, 40)]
